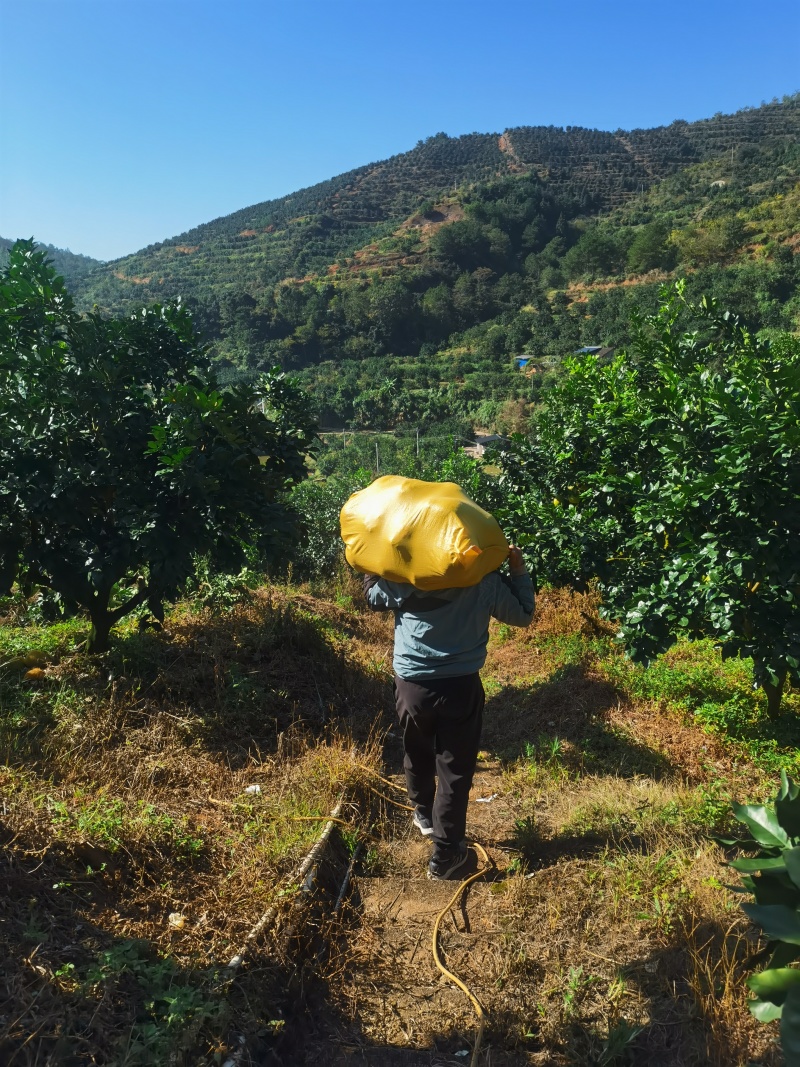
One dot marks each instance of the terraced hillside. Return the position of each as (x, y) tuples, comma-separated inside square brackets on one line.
[(591, 171)]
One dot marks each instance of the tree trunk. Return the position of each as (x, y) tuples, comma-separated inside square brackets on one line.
[(774, 694), (102, 621)]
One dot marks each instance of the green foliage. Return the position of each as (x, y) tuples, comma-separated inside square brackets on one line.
[(672, 476), (169, 1000), (432, 270), (317, 505), (111, 821), (219, 592), (649, 249), (121, 459), (772, 876), (597, 252), (71, 267)]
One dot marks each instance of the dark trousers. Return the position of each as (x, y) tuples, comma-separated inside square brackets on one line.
[(441, 720)]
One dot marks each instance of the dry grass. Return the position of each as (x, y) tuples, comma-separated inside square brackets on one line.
[(606, 937), (125, 802)]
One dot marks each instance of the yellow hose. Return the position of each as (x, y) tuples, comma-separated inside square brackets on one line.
[(488, 862)]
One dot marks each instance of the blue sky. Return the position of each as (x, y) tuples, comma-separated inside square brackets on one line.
[(123, 122)]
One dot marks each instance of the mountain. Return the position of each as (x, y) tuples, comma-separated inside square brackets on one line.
[(70, 265), (403, 290), (591, 170)]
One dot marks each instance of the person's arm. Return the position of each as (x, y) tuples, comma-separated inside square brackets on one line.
[(382, 595), (372, 594), (514, 600)]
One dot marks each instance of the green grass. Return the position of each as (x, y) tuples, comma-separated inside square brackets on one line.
[(703, 809), (602, 818), (692, 672), (51, 640), (112, 821), (169, 999), (694, 680)]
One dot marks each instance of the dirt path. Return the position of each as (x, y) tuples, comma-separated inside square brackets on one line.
[(402, 1010)]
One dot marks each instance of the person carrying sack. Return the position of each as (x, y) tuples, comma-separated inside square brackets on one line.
[(440, 641)]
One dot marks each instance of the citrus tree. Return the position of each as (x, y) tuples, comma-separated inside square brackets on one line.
[(121, 459), (671, 475)]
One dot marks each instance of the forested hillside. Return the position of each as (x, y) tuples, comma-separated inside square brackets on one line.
[(72, 267), (403, 290)]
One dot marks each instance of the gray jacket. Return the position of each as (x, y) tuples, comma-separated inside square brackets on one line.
[(443, 634)]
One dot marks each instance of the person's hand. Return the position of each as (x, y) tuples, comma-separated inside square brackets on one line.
[(516, 563)]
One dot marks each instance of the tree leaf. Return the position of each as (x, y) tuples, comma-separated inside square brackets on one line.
[(774, 983), (773, 887), (787, 810), (783, 955), (764, 1011), (790, 1028), (792, 859), (788, 788), (759, 863), (763, 824), (778, 922)]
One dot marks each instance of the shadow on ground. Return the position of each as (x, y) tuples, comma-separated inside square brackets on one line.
[(233, 683), (571, 706), (71, 994)]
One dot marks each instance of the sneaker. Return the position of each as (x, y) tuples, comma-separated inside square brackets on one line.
[(422, 821), (442, 870)]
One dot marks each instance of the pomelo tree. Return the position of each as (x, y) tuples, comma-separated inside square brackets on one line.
[(671, 475), (120, 457)]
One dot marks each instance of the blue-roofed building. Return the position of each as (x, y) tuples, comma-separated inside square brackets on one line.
[(601, 351)]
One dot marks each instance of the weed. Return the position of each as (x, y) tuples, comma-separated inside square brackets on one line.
[(371, 861), (617, 988), (573, 987), (616, 1045), (621, 808), (576, 985), (543, 761), (716, 958), (710, 809), (350, 839), (219, 593), (99, 820), (51, 640), (526, 837), (662, 912), (169, 1000), (516, 866), (718, 694), (110, 821)]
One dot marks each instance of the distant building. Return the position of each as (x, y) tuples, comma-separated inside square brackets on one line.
[(532, 364), (483, 441), (601, 351)]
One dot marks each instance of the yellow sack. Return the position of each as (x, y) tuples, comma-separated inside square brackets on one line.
[(427, 533)]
